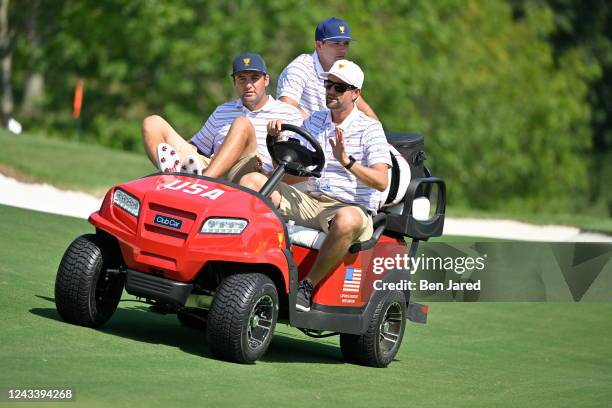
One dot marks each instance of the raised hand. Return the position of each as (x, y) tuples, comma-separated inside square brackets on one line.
[(338, 149)]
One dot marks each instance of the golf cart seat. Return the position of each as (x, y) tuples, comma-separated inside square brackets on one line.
[(393, 206)]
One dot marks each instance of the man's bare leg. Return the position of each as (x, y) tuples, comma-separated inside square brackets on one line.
[(255, 181), (240, 142), (343, 230), (156, 130)]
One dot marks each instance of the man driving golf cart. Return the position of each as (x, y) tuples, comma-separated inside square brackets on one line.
[(343, 200)]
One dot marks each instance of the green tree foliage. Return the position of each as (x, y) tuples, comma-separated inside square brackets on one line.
[(147, 56), (506, 124), (584, 27)]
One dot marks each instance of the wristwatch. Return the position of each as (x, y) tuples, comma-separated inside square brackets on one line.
[(350, 163)]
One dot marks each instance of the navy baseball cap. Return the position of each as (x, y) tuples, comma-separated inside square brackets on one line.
[(333, 29), (249, 62)]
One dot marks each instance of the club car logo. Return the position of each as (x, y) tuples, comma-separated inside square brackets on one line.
[(168, 221), (192, 188)]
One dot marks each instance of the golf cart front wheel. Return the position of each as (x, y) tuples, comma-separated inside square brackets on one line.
[(85, 292), (378, 346), (242, 317)]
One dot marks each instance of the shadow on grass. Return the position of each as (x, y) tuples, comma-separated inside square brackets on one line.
[(287, 349), (140, 325), (47, 298)]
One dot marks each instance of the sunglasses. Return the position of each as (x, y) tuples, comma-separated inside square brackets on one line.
[(338, 86)]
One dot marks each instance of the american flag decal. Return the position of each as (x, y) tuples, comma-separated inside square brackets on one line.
[(352, 280)]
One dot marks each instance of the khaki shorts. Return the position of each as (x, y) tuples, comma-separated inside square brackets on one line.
[(317, 212), (244, 165)]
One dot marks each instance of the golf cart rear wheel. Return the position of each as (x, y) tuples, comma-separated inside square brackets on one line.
[(242, 317), (378, 346), (85, 292), (194, 319)]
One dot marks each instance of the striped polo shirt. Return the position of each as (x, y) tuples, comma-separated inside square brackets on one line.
[(364, 140), (210, 137), (301, 80)]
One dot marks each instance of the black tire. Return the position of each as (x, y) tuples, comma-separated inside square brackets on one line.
[(193, 319), (233, 333), (85, 293), (372, 348)]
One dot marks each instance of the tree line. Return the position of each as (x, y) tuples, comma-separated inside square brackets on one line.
[(513, 96)]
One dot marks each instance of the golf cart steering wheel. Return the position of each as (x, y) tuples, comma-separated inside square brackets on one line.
[(295, 156)]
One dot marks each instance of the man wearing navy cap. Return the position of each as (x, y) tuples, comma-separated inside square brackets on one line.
[(232, 142), (301, 82)]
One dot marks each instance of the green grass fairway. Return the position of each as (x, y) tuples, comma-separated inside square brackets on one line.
[(468, 355)]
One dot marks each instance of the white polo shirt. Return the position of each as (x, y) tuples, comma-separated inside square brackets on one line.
[(364, 140), (301, 80), (210, 137)]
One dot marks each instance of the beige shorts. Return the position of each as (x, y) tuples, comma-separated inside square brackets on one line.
[(317, 212), (244, 165)]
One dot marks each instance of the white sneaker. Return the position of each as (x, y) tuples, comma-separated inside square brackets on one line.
[(192, 165), (168, 160)]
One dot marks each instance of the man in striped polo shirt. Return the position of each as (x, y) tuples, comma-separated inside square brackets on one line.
[(301, 82), (232, 142), (343, 200)]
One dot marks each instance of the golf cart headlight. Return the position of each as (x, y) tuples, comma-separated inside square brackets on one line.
[(223, 226), (127, 202)]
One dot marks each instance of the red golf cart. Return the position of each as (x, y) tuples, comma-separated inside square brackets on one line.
[(221, 257)]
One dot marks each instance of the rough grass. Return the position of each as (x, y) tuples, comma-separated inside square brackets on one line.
[(468, 355), (69, 164)]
